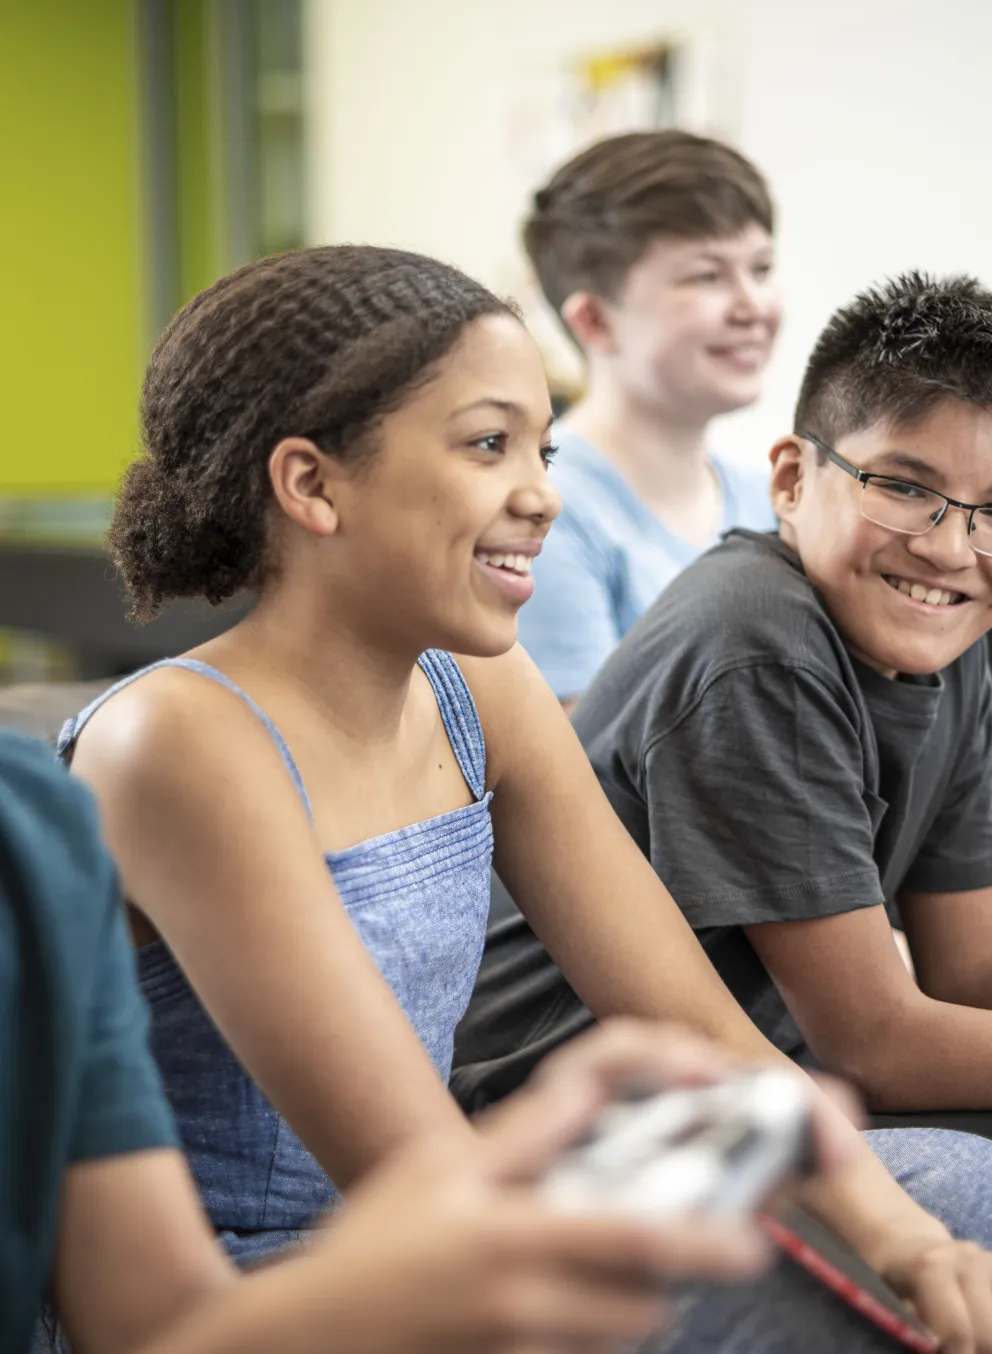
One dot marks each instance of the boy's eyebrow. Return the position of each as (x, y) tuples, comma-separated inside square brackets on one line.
[(504, 406), (912, 465)]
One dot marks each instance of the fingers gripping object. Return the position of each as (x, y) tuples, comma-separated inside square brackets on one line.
[(719, 1151)]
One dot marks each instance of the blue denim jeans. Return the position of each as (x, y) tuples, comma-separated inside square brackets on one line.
[(949, 1174), (789, 1312)]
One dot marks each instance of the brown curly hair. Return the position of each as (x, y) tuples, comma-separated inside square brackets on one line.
[(319, 343)]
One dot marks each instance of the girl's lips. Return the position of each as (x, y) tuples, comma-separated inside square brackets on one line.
[(517, 587)]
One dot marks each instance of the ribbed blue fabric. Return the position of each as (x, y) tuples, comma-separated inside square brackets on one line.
[(417, 897)]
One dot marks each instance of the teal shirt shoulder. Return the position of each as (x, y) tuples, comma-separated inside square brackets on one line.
[(76, 1079), (607, 558)]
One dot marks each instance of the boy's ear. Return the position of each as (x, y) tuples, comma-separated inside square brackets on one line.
[(588, 319), (305, 481), (787, 458)]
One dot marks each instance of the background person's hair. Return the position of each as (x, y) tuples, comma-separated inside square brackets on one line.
[(320, 343), (597, 215), (895, 353)]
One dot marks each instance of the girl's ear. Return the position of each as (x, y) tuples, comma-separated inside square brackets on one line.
[(589, 321), (787, 458), (304, 481)]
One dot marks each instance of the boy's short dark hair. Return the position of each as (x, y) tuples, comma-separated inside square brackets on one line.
[(598, 213), (895, 353)]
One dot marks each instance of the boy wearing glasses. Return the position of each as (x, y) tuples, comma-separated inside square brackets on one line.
[(798, 733)]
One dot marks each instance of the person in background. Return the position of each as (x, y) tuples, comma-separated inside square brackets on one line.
[(656, 251), (798, 735), (305, 810), (446, 1251)]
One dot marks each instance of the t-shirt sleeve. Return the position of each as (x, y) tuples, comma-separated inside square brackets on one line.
[(757, 807), (80, 997), (956, 855), (569, 626), (122, 1105)]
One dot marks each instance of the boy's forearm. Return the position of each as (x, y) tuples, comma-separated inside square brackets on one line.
[(935, 1056)]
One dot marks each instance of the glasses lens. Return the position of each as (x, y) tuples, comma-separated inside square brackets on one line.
[(901, 507), (981, 532)]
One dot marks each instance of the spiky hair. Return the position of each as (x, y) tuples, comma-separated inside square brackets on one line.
[(896, 352)]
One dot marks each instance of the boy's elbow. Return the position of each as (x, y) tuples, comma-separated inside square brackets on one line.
[(877, 1060), (958, 986)]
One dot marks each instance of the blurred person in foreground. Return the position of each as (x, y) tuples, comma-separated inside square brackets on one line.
[(655, 250), (445, 1249)]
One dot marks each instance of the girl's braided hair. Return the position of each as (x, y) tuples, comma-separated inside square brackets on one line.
[(319, 343)]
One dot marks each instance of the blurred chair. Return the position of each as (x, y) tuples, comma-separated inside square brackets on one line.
[(42, 709)]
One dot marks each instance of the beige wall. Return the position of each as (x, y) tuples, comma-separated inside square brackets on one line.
[(872, 118)]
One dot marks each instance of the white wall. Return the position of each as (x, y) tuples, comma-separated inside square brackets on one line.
[(871, 118)]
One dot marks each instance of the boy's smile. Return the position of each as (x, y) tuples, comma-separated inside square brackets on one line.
[(925, 592), (904, 603)]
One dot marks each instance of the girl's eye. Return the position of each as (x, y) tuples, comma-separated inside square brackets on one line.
[(762, 270), (495, 442), (704, 277), (548, 454)]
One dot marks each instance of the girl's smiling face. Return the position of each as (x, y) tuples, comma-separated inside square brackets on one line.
[(429, 541)]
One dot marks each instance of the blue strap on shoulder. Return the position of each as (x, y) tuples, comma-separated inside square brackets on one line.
[(73, 727), (461, 719)]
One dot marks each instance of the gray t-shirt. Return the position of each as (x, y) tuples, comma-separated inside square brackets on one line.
[(768, 775)]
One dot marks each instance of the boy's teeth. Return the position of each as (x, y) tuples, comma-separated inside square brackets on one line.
[(933, 596)]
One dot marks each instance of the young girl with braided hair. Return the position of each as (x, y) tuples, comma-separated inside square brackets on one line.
[(304, 809)]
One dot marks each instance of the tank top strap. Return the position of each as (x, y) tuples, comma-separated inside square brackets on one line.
[(73, 727), (461, 719)]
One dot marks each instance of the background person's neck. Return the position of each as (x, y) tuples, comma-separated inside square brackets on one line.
[(662, 458)]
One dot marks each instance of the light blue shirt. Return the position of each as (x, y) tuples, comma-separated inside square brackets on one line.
[(608, 557)]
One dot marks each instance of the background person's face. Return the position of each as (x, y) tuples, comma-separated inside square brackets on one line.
[(694, 325), (858, 566)]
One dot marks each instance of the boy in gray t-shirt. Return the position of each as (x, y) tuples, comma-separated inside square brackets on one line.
[(798, 733)]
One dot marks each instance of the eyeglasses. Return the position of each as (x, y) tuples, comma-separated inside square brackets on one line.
[(901, 505)]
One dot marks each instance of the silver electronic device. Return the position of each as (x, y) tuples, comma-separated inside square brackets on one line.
[(717, 1150)]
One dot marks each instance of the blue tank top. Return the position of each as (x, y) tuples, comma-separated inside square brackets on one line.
[(419, 899)]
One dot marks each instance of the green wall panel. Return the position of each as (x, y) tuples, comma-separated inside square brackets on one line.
[(71, 343)]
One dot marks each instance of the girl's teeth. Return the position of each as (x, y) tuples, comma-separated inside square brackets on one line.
[(520, 564), (935, 596), (918, 592)]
